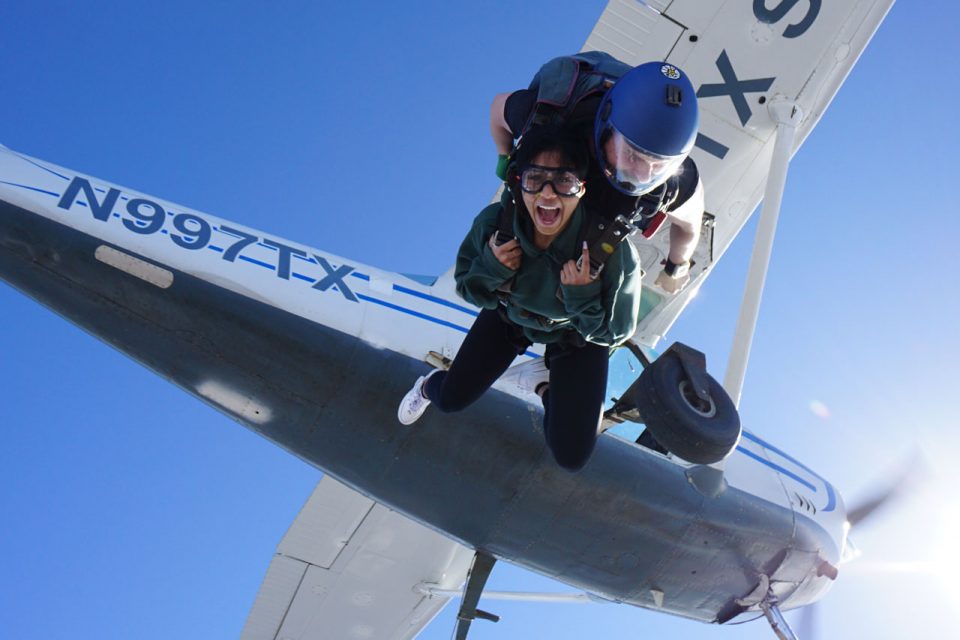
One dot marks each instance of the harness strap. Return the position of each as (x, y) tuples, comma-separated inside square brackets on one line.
[(603, 236), (505, 217), (569, 88), (505, 232)]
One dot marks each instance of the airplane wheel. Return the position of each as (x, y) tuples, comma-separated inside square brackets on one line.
[(698, 431)]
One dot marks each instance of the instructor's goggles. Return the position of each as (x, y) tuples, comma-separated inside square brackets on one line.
[(565, 183), (629, 168)]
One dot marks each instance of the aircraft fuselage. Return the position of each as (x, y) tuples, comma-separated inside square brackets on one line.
[(314, 352)]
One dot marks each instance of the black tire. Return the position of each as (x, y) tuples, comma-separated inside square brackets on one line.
[(691, 429)]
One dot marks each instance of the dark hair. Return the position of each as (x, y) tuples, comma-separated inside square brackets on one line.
[(553, 138)]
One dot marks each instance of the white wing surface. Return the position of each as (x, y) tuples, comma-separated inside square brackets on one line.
[(349, 568), (741, 55)]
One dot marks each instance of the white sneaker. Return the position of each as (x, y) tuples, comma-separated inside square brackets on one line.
[(414, 403), (531, 375)]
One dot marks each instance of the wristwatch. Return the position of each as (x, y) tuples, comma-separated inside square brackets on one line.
[(676, 270)]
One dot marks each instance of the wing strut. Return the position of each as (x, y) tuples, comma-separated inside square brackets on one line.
[(472, 590), (517, 596), (788, 116), (778, 623)]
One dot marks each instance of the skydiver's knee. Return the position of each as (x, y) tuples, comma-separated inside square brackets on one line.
[(571, 436), (571, 452), (571, 460)]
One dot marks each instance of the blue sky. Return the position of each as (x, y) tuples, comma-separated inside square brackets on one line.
[(129, 509)]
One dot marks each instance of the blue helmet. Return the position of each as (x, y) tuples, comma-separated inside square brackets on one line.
[(646, 126)]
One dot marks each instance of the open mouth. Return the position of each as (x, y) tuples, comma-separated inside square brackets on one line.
[(548, 216)]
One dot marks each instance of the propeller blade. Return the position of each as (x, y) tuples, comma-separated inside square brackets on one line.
[(906, 480), (865, 509)]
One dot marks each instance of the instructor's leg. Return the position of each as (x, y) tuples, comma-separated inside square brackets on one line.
[(573, 402), (486, 352)]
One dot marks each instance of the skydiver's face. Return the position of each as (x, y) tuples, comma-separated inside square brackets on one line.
[(625, 160), (550, 212), (631, 169)]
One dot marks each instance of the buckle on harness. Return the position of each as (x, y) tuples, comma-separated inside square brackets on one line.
[(626, 226)]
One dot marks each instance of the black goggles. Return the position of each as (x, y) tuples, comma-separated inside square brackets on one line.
[(564, 182)]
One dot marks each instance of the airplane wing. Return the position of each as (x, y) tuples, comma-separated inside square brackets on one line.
[(740, 56), (349, 568)]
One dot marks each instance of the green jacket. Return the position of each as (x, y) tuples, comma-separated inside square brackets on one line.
[(604, 311)]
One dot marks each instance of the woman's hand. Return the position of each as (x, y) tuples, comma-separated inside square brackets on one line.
[(574, 274), (508, 253)]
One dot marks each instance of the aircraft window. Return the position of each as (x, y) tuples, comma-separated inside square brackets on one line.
[(649, 299)]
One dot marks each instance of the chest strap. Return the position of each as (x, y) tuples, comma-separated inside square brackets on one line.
[(603, 236)]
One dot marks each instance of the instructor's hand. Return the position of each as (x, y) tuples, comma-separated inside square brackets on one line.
[(508, 254), (577, 273), (670, 284)]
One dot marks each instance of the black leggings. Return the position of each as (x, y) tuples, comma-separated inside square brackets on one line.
[(572, 404)]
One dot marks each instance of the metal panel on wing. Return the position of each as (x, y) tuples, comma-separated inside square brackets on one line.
[(350, 568)]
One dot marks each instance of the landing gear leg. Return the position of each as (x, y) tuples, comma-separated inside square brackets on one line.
[(472, 590), (776, 619)]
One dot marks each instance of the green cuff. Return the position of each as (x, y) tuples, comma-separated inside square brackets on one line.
[(502, 163), (576, 294)]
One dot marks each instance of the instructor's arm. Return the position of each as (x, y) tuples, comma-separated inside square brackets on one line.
[(499, 130)]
